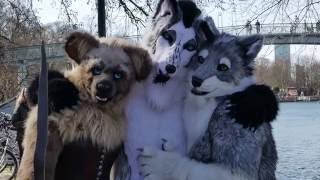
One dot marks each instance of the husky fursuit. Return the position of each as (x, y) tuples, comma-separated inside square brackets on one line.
[(154, 111), (222, 146), (87, 103)]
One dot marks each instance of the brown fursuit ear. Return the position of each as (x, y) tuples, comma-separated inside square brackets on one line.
[(79, 44), (141, 61)]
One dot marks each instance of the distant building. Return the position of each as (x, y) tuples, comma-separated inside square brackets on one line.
[(282, 52)]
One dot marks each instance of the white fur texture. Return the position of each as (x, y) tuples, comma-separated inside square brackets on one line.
[(216, 87), (225, 61), (196, 115), (154, 112), (204, 53), (167, 165)]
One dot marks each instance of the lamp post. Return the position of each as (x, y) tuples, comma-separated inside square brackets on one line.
[(101, 18)]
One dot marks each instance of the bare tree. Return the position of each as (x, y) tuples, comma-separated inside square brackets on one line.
[(18, 23), (308, 74), (9, 85)]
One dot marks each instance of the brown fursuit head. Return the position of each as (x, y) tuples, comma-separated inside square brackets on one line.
[(88, 102)]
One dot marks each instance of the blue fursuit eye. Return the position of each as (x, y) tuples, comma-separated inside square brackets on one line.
[(117, 75), (96, 70)]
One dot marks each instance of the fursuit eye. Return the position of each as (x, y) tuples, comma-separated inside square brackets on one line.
[(191, 45), (118, 75), (96, 71), (222, 67), (200, 59), (169, 36)]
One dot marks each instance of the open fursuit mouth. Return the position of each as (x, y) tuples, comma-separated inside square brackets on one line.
[(198, 93)]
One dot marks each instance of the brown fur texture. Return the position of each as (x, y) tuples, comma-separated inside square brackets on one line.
[(100, 122)]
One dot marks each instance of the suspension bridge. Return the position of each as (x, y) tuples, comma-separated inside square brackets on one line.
[(280, 33), (274, 34)]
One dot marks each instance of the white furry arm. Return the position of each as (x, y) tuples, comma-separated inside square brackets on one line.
[(157, 164)]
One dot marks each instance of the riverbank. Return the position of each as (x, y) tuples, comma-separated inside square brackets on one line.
[(298, 98)]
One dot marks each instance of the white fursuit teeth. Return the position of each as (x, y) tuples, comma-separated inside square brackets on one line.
[(102, 99)]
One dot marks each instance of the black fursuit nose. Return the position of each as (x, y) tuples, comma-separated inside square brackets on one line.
[(196, 82)]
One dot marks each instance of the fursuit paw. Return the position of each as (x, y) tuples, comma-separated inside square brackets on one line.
[(62, 94), (158, 164), (253, 106)]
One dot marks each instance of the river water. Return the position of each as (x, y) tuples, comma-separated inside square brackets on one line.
[(297, 135)]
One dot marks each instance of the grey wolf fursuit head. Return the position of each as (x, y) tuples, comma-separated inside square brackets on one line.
[(222, 144), (87, 102)]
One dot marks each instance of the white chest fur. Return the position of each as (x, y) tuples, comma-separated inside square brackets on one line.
[(196, 115), (149, 124)]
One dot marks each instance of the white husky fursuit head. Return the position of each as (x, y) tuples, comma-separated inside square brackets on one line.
[(154, 110), (220, 146)]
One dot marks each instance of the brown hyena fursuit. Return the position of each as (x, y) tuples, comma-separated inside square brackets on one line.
[(88, 101)]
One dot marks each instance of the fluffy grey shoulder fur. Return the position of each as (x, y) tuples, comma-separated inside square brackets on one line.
[(251, 153)]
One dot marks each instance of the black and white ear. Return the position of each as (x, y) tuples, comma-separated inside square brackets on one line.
[(207, 30), (251, 45), (166, 10), (79, 44)]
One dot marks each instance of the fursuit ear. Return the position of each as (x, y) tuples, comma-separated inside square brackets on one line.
[(141, 61), (206, 30), (166, 10), (190, 12), (79, 44), (251, 45)]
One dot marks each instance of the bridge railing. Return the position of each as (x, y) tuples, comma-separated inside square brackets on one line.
[(277, 28), (32, 54)]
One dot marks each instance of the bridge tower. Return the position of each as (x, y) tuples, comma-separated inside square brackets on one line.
[(282, 58), (282, 53)]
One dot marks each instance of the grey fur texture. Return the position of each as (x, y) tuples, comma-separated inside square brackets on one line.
[(243, 151)]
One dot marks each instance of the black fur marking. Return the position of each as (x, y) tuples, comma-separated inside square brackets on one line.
[(32, 91), (18, 121), (190, 12), (20, 115), (161, 78), (209, 35), (62, 94), (254, 106)]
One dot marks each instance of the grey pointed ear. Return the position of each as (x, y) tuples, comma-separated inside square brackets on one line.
[(206, 30), (140, 60), (79, 44), (166, 10), (251, 46)]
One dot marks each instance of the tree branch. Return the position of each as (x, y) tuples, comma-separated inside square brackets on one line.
[(139, 7)]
